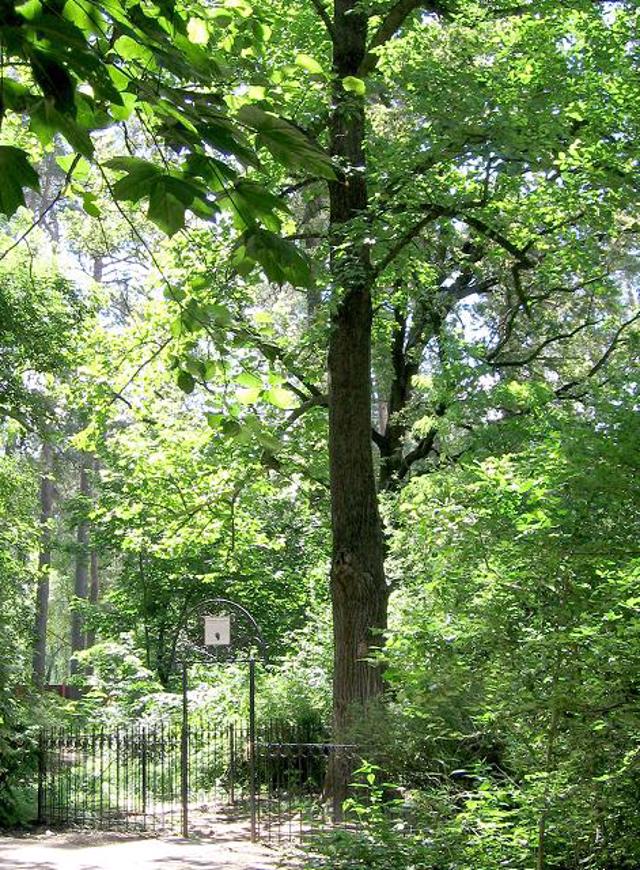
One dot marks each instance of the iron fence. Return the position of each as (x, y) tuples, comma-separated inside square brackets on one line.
[(165, 778)]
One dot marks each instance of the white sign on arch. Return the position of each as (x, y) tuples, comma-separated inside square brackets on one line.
[(217, 630)]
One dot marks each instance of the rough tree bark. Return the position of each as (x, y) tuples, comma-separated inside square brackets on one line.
[(44, 564), (358, 587)]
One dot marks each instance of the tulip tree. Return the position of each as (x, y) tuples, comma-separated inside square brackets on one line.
[(485, 157)]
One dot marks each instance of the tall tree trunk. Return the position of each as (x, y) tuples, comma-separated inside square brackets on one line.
[(358, 588), (94, 577), (94, 591), (44, 565), (81, 580)]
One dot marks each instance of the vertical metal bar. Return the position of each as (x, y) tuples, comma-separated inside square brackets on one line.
[(118, 775), (101, 780), (252, 746), (154, 775), (232, 764), (144, 775), (162, 773), (41, 775), (184, 754)]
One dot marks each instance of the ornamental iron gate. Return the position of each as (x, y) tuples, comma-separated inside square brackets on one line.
[(155, 778)]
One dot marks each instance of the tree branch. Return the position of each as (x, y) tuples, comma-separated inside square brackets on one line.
[(520, 254), (561, 336), (319, 401), (272, 352), (407, 237), (391, 23), (378, 439), (562, 391), (420, 451), (324, 16)]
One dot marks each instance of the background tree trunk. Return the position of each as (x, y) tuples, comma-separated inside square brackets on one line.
[(44, 565), (94, 577), (94, 591), (81, 579)]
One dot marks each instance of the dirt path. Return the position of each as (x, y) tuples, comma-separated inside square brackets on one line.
[(97, 851)]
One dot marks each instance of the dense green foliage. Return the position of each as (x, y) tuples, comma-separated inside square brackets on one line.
[(172, 392), (17, 500), (516, 650)]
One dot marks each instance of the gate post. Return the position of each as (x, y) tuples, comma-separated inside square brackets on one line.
[(184, 755), (252, 747)]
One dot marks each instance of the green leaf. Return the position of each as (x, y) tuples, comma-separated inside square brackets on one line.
[(281, 260), (309, 63), (186, 381), (269, 442), (14, 95), (82, 169), (221, 17), (141, 174), (218, 314), (248, 395), (247, 379), (46, 121), (231, 428), (165, 209), (89, 205), (289, 145), (85, 15), (354, 85), (54, 80), (252, 202), (197, 31), (30, 10), (280, 397), (130, 49), (169, 196), (124, 112), (15, 173)]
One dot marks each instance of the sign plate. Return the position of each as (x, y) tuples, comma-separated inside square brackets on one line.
[(217, 630)]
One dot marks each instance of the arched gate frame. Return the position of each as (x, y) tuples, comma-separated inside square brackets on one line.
[(220, 631)]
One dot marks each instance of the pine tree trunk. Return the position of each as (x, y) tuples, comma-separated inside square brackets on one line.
[(44, 565), (358, 588), (81, 579)]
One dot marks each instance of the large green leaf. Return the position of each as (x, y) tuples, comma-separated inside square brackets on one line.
[(169, 195), (137, 183), (166, 209), (289, 145), (281, 260), (46, 121), (15, 173)]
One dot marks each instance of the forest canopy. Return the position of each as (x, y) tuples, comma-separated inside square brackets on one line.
[(332, 310)]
